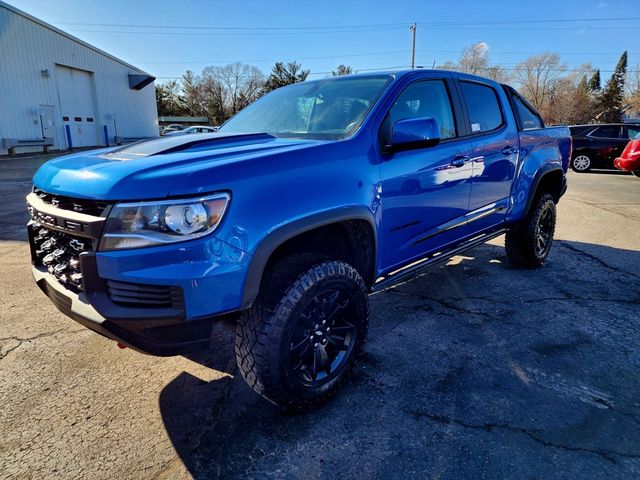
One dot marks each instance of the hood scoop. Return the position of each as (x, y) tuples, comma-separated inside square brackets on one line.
[(178, 143)]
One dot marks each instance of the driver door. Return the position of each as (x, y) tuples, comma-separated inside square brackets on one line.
[(425, 191)]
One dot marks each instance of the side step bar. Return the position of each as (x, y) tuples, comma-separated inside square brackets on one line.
[(418, 266)]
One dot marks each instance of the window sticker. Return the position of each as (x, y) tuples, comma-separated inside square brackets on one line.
[(475, 127)]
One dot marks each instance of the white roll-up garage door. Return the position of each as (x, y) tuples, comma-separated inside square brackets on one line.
[(77, 104)]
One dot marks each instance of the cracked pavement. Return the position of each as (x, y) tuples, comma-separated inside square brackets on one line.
[(472, 370)]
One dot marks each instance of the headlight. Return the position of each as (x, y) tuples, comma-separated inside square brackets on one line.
[(144, 224)]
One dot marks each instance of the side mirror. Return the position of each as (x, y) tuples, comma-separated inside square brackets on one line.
[(413, 133)]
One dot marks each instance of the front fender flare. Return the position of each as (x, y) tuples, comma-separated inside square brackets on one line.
[(281, 234)]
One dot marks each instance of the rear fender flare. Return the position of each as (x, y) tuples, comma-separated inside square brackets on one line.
[(540, 174)]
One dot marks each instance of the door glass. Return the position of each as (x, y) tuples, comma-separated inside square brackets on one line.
[(607, 131), (632, 132), (483, 107), (422, 99)]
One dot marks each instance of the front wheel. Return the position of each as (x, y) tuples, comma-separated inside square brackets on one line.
[(581, 163), (528, 243), (298, 347)]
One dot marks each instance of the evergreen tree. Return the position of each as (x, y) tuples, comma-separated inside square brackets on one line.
[(581, 112), (594, 82), (342, 70), (285, 74), (610, 105)]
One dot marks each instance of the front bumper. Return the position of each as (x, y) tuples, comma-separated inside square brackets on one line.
[(158, 300), (163, 336)]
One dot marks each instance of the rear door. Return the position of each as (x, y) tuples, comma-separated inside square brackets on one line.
[(494, 134), (607, 142), (424, 191)]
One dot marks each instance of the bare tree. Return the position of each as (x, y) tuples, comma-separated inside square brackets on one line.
[(241, 84), (475, 60), (571, 101), (538, 78), (632, 97)]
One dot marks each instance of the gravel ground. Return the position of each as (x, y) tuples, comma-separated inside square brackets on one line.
[(473, 370)]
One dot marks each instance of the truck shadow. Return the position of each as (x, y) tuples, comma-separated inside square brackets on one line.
[(447, 345)]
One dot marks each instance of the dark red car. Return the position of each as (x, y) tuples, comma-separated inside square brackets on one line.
[(629, 160)]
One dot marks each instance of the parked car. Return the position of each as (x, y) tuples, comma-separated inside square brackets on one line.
[(173, 127), (194, 129), (596, 146), (629, 161), (282, 223)]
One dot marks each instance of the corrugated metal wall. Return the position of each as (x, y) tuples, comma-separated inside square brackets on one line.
[(27, 48)]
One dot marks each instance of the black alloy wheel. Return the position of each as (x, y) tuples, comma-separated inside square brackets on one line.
[(323, 338), (544, 230)]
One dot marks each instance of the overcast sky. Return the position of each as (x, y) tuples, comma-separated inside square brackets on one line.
[(167, 37)]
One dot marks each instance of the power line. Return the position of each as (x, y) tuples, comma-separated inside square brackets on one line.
[(338, 31), (272, 60), (374, 25)]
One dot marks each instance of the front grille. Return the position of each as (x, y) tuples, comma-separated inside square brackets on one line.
[(81, 205), (60, 253), (147, 296)]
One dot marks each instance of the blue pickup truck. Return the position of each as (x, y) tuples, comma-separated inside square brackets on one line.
[(282, 222)]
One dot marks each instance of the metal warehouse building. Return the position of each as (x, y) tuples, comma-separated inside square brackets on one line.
[(61, 92)]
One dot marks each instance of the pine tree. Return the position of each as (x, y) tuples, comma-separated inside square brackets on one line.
[(342, 70), (285, 74), (610, 104), (594, 82)]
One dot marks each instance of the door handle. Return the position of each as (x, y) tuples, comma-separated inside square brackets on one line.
[(508, 150), (460, 160)]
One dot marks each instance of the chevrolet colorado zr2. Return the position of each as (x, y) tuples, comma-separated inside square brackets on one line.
[(283, 221)]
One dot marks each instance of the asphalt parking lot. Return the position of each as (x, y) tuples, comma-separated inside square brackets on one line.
[(474, 370)]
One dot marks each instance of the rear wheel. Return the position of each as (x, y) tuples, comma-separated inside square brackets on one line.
[(529, 242), (581, 163), (295, 347), (636, 173)]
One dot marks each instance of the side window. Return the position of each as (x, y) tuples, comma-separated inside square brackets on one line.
[(422, 99), (607, 131), (483, 107), (631, 132), (528, 117)]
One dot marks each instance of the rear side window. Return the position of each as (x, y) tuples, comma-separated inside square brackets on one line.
[(528, 117), (606, 131), (632, 132), (483, 107)]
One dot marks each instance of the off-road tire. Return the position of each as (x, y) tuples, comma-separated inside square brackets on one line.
[(521, 241), (264, 333)]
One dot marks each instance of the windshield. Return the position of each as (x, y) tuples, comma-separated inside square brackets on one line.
[(322, 109)]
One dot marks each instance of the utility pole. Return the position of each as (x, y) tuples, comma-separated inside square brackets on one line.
[(413, 29)]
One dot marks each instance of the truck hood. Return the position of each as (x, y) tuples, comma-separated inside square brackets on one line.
[(162, 167)]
